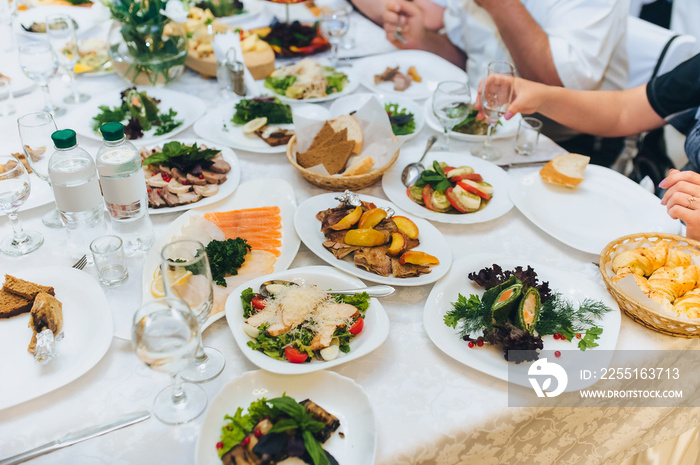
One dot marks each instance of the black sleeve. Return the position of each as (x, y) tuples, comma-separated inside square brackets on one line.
[(677, 90)]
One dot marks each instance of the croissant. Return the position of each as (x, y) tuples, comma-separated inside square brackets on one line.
[(642, 261), (671, 282), (677, 257), (689, 304)]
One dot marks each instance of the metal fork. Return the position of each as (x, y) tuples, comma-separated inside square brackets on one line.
[(80, 264)]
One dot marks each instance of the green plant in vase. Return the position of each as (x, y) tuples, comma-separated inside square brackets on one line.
[(222, 8), (148, 45)]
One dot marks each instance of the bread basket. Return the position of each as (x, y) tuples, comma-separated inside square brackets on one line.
[(337, 183), (662, 322)]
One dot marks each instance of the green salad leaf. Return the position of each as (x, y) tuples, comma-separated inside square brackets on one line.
[(335, 80), (280, 84), (271, 108), (474, 126), (402, 122), (246, 299), (435, 177), (179, 155)]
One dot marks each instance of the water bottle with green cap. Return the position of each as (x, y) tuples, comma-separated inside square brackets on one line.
[(124, 189), (76, 189)]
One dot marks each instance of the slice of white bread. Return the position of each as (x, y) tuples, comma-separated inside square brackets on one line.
[(565, 170), (354, 130), (359, 165)]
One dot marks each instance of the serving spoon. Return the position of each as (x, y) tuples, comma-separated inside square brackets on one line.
[(374, 291), (412, 171)]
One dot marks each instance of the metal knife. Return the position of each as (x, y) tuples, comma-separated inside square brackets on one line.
[(78, 436), (522, 164)]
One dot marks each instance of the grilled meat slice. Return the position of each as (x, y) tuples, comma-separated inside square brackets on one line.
[(171, 199), (319, 414), (407, 270), (155, 200), (340, 250), (240, 455), (213, 178), (334, 315), (178, 175), (192, 179), (219, 165), (188, 197), (401, 82), (386, 76), (374, 260), (333, 217)]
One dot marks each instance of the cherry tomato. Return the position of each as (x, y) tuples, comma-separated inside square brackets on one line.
[(258, 302), (452, 198), (469, 188), (294, 356), (356, 327), (427, 195), (472, 177)]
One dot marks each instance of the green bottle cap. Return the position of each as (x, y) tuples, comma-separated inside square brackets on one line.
[(112, 131), (64, 139)]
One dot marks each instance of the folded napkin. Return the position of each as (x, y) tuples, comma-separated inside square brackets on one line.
[(222, 44)]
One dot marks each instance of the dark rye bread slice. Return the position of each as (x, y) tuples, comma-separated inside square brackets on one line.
[(25, 289), (11, 304), (333, 157), (323, 136)]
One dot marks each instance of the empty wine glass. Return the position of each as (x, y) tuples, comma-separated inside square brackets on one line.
[(39, 63), (14, 190), (35, 131), (186, 275), (333, 26), (452, 102), (60, 31), (8, 11), (164, 334), (496, 95)]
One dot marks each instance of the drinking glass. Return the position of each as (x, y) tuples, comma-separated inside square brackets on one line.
[(8, 11), (496, 95), (39, 64), (164, 334), (14, 190), (35, 131), (186, 275), (333, 27), (7, 101), (60, 31), (451, 105)]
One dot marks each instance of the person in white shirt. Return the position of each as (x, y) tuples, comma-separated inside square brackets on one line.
[(431, 11), (578, 44)]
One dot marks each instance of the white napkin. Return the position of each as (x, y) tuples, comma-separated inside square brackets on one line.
[(222, 44)]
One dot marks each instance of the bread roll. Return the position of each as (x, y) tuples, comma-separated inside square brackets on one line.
[(565, 170), (359, 165)]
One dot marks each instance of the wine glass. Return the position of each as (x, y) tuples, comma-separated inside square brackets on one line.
[(451, 105), (14, 190), (60, 31), (35, 131), (496, 95), (186, 275), (8, 11), (39, 64), (164, 334), (333, 26)]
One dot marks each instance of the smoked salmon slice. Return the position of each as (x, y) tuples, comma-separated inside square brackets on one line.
[(260, 227)]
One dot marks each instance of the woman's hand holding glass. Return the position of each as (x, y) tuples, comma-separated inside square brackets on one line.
[(496, 94)]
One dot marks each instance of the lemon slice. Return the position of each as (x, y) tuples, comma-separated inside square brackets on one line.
[(254, 124), (180, 277)]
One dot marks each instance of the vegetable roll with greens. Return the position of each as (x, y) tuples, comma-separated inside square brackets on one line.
[(529, 310), (506, 301)]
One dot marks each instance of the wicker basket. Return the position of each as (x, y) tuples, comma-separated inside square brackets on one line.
[(337, 183), (658, 321)]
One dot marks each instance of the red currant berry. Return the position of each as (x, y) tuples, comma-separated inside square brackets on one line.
[(578, 336), (556, 336), (557, 354), (471, 345), (258, 433), (219, 445), (480, 343), (246, 440)]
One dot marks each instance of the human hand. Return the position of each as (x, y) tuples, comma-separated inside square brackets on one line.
[(527, 97), (409, 17), (680, 199)]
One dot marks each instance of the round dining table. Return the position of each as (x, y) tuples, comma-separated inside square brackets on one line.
[(428, 407)]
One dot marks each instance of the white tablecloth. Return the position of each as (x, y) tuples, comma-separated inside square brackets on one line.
[(429, 409)]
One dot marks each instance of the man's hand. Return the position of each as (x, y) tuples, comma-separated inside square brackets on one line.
[(682, 199), (409, 16)]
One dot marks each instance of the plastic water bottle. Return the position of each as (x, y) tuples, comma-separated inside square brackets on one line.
[(76, 189), (124, 189)]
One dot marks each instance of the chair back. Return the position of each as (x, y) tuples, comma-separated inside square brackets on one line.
[(645, 45)]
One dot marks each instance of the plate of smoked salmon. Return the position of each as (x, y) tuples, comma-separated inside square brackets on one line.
[(260, 211)]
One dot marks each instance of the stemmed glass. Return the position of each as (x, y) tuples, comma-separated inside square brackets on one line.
[(333, 26), (186, 275), (35, 131), (60, 30), (496, 95), (39, 63), (14, 190), (8, 11), (164, 334), (452, 102)]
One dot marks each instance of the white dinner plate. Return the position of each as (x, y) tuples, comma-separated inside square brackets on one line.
[(352, 84), (188, 109), (233, 177), (216, 125), (340, 396), (84, 17), (19, 82), (504, 130), (350, 103), (431, 241), (87, 328), (499, 205), (252, 194), (489, 359), (251, 8), (431, 68), (605, 206), (376, 325)]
